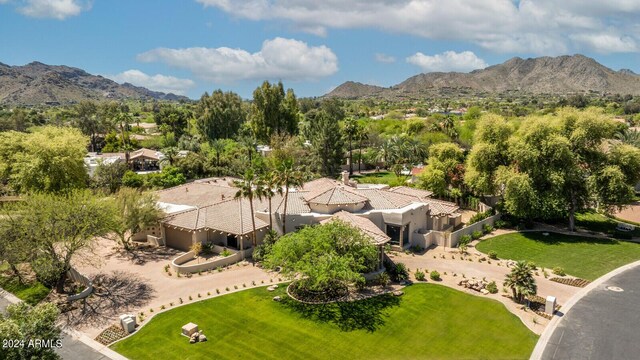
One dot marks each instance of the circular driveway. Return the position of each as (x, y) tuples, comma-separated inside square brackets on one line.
[(604, 324)]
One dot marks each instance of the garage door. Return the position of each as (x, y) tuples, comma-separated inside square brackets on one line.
[(178, 239)]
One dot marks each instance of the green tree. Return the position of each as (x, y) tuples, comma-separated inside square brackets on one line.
[(109, 175), (246, 191), (50, 159), (521, 281), (273, 111), (134, 211), (325, 256), (351, 132), (326, 143), (87, 120), (27, 323), (174, 118), (287, 177), (63, 227), (434, 180), (268, 186), (220, 115)]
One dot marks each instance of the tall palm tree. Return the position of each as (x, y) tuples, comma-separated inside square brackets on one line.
[(362, 135), (268, 187), (246, 191), (287, 177), (521, 281), (351, 131)]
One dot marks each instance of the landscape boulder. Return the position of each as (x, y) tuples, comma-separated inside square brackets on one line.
[(277, 298)]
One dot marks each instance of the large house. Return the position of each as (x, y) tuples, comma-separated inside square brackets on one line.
[(207, 211), (141, 160)]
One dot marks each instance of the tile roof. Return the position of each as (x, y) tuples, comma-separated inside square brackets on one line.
[(196, 194), (148, 153), (337, 195), (380, 199), (296, 204), (231, 216), (365, 225), (419, 193), (317, 187), (436, 207)]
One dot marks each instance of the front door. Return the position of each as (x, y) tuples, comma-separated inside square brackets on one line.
[(232, 241), (393, 231)]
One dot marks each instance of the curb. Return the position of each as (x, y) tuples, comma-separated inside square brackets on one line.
[(551, 327)]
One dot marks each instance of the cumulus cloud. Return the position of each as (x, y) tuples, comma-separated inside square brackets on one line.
[(448, 61), (279, 58), (607, 43), (158, 82), (384, 58), (538, 26), (55, 9)]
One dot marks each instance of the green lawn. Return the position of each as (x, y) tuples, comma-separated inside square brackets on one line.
[(382, 177), (597, 222), (429, 321), (584, 257), (31, 292)]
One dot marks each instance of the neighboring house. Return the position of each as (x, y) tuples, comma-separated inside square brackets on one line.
[(141, 161), (415, 173), (206, 211)]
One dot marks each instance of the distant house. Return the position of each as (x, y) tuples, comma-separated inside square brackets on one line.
[(415, 173), (141, 161)]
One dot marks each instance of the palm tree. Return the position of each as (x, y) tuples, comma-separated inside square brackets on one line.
[(362, 135), (246, 191), (351, 131), (171, 154), (521, 281), (287, 178), (217, 146), (268, 187)]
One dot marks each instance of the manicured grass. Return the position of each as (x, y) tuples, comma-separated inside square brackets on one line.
[(31, 292), (382, 177), (584, 257), (598, 222), (429, 321)]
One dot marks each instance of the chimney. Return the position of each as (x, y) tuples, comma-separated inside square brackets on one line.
[(345, 178)]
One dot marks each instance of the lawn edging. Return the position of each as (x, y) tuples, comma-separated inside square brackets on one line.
[(551, 327), (148, 320)]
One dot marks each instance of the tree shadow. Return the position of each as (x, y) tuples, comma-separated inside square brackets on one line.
[(114, 294), (368, 314), (141, 255)]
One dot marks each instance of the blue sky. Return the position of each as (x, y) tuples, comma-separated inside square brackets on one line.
[(192, 46)]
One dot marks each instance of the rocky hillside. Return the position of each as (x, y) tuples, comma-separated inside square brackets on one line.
[(543, 75), (38, 83)]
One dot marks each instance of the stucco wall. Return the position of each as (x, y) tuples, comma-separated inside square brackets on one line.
[(455, 236)]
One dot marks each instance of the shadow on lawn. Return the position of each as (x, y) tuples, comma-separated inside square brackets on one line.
[(555, 239), (365, 314)]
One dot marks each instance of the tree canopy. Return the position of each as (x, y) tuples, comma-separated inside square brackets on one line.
[(273, 111)]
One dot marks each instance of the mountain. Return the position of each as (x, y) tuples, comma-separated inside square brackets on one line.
[(38, 83), (543, 75)]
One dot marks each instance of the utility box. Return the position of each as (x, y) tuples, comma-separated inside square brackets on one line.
[(550, 306), (128, 325)]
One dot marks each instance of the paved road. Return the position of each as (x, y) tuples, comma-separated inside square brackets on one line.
[(605, 324)]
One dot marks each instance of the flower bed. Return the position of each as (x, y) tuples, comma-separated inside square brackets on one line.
[(571, 281), (111, 334), (537, 304)]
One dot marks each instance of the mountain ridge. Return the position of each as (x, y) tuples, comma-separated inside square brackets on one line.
[(37, 83), (542, 75)]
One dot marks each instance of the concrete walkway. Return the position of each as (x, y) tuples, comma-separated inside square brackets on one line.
[(602, 321)]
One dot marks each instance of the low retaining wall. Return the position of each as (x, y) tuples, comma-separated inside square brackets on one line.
[(455, 236), (79, 278), (176, 264)]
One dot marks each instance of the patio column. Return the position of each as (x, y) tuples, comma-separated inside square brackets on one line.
[(241, 238), (401, 236)]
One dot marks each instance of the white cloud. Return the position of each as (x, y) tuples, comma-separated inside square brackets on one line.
[(55, 9), (447, 61), (538, 26), (158, 82), (277, 59), (384, 58), (607, 43)]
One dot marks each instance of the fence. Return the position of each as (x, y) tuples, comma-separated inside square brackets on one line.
[(79, 278)]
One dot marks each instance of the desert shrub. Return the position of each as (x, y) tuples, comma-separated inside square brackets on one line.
[(465, 239), (493, 255), (487, 228), (492, 287), (480, 216), (397, 271), (383, 279), (476, 235), (420, 276), (559, 271), (434, 275)]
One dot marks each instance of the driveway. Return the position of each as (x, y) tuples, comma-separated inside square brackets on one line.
[(604, 324), (630, 213)]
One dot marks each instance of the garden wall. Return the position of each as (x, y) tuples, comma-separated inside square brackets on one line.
[(81, 279), (237, 256), (455, 236)]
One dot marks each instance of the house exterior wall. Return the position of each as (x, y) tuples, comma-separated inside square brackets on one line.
[(455, 236), (177, 238)]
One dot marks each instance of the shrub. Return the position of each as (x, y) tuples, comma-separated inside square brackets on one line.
[(493, 255), (420, 276), (207, 248), (501, 224), (383, 279), (487, 228), (465, 238), (190, 298), (559, 271), (162, 307), (492, 287), (196, 249), (476, 235), (434, 275), (397, 271), (532, 265), (225, 252), (480, 216)]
